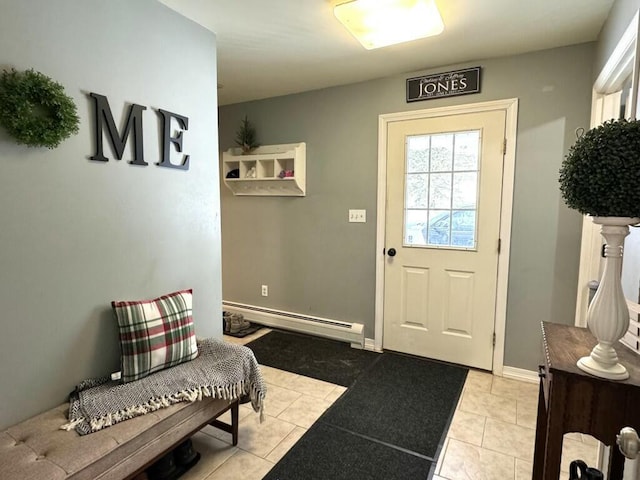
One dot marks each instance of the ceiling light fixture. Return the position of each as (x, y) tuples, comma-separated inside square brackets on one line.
[(379, 23)]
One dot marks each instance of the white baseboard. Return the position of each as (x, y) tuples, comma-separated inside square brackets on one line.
[(521, 374), (369, 344), (323, 327)]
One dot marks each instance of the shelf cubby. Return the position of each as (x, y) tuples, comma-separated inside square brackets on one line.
[(259, 172)]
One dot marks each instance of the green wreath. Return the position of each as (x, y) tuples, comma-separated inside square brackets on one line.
[(35, 110)]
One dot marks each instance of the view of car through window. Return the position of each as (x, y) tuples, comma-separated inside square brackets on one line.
[(445, 228)]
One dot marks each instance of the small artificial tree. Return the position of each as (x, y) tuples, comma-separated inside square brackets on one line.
[(246, 136)]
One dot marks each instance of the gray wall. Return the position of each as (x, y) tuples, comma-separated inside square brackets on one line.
[(316, 263), (76, 234)]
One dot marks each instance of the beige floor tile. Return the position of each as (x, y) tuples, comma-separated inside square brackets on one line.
[(261, 438), (577, 450), (248, 338), (305, 411), (255, 437), (310, 386), (280, 378), (467, 427), (489, 405), (441, 456), (243, 412), (336, 393), (234, 340), (242, 465), (520, 390), (509, 439), (528, 392), (505, 387), (285, 445), (213, 453), (278, 399), (463, 461), (478, 381), (524, 469), (526, 413)]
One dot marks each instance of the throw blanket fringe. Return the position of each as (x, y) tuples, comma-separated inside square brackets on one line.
[(93, 405)]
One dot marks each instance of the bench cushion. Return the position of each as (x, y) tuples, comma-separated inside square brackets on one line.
[(37, 449)]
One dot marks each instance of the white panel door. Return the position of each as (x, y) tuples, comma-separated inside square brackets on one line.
[(444, 180)]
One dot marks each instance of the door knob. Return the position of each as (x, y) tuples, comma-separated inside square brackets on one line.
[(391, 252)]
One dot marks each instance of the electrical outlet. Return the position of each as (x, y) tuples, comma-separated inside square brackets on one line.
[(357, 216), (265, 290)]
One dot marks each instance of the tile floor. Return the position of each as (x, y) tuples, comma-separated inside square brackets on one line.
[(491, 435)]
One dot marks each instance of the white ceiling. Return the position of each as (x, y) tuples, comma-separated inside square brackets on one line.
[(268, 48)]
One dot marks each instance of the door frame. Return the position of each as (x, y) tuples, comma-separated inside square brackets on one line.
[(510, 107)]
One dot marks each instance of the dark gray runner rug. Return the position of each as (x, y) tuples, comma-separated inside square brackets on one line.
[(315, 357), (390, 424), (328, 453), (403, 400)]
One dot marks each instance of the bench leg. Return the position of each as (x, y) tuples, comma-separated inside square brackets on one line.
[(233, 428), (235, 409)]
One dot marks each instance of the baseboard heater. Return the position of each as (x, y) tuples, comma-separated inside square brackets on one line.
[(323, 327)]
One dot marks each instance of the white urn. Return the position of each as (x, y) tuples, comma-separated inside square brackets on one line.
[(608, 315)]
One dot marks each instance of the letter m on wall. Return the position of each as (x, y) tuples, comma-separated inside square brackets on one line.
[(104, 118)]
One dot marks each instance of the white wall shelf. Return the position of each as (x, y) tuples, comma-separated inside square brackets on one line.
[(262, 172)]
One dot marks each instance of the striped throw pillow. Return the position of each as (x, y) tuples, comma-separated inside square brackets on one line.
[(155, 334)]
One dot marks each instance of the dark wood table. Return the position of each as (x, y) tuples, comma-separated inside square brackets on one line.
[(571, 400)]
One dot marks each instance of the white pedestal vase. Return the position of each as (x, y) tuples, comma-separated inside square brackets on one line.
[(608, 315)]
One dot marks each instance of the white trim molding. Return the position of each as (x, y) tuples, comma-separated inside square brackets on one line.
[(510, 107), (521, 374), (621, 63), (369, 344)]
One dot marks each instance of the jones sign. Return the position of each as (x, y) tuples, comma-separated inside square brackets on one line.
[(446, 84)]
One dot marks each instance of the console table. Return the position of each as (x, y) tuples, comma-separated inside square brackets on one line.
[(571, 400)]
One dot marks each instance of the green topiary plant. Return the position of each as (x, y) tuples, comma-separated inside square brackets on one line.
[(35, 110), (246, 136), (600, 175)]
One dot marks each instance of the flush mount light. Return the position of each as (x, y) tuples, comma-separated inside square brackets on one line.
[(379, 23)]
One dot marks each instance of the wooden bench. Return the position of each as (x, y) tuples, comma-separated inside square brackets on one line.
[(37, 449)]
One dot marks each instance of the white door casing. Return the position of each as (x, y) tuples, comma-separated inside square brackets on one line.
[(505, 193)]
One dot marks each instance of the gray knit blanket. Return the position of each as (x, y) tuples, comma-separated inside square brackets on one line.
[(221, 370)]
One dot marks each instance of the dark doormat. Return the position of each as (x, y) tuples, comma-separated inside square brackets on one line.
[(329, 453), (403, 401), (315, 357), (389, 425)]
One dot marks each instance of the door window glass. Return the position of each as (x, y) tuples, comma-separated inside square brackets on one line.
[(441, 190)]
